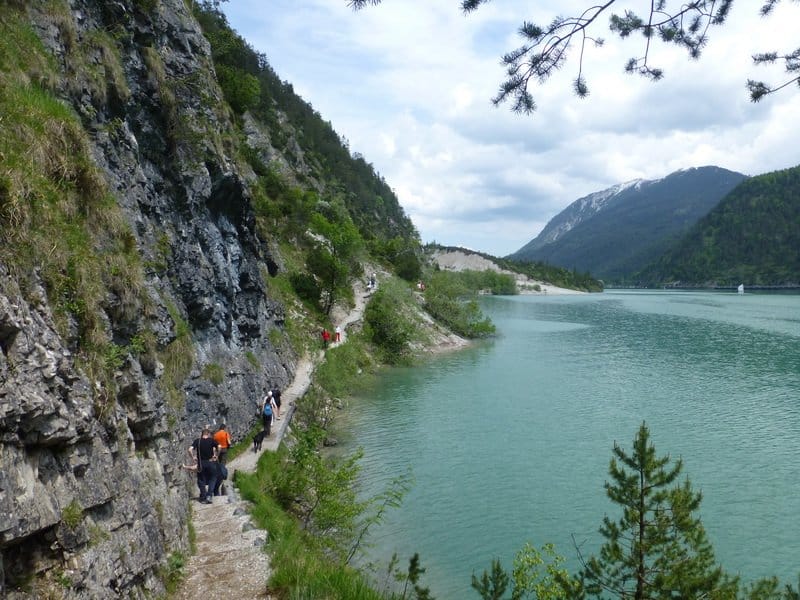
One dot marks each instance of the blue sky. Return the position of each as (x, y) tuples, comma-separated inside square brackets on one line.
[(408, 84)]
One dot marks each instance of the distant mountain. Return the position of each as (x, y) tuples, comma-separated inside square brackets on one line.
[(751, 237), (616, 232)]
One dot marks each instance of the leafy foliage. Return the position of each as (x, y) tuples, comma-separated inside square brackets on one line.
[(345, 368), (403, 253), (498, 284), (528, 579), (531, 582), (491, 586), (242, 90), (447, 300), (751, 237), (334, 259), (386, 327)]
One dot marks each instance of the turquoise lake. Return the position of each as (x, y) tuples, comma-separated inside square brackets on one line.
[(509, 441)]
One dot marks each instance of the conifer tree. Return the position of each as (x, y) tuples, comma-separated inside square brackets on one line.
[(658, 548)]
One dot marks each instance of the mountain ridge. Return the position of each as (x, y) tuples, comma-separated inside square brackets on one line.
[(615, 232)]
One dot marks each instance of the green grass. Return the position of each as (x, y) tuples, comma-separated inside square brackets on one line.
[(59, 226), (214, 373), (72, 515), (300, 569), (177, 357), (345, 368), (173, 572), (252, 359)]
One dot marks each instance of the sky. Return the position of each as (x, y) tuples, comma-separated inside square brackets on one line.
[(408, 84)]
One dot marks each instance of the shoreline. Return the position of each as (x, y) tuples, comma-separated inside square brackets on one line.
[(459, 260)]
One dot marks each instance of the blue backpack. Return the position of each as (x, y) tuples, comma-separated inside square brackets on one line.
[(268, 408)]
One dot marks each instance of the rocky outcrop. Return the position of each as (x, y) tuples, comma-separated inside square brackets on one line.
[(92, 497)]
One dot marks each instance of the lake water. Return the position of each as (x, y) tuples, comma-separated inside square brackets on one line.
[(509, 441)]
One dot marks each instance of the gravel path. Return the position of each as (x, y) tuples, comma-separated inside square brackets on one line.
[(231, 559)]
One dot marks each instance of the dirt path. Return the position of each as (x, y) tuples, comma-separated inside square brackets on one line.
[(342, 320), (231, 559)]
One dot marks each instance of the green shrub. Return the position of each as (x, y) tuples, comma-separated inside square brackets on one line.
[(173, 572), (408, 266), (447, 300), (386, 327), (306, 287), (343, 368), (242, 90), (72, 515), (313, 562)]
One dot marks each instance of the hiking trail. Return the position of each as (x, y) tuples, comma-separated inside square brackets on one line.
[(231, 558)]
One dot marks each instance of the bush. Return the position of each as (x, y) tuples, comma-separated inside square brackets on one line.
[(344, 368), (72, 515), (242, 90), (445, 300), (306, 287), (386, 328), (408, 266)]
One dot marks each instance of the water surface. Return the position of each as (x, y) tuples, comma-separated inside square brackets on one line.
[(510, 440)]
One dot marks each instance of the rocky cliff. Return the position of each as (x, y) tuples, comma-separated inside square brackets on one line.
[(134, 290)]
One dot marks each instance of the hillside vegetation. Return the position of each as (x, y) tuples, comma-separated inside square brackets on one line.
[(614, 233), (535, 270), (310, 154), (751, 237)]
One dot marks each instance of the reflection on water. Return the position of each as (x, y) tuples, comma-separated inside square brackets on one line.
[(510, 440)]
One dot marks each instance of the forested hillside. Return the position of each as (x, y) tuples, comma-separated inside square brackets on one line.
[(752, 237), (298, 132), (614, 233)]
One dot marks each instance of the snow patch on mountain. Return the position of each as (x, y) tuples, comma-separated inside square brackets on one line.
[(582, 209)]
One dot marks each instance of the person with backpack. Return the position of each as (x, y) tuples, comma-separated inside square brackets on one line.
[(204, 452), (268, 410)]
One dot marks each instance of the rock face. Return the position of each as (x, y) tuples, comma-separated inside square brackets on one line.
[(92, 497)]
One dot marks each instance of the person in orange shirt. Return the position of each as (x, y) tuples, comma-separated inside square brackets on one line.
[(223, 439)]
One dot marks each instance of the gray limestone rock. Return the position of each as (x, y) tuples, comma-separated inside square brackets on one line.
[(92, 496)]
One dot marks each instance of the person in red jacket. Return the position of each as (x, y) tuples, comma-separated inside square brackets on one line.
[(326, 337)]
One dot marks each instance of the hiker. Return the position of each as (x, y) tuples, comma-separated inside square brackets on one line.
[(223, 439), (326, 337), (222, 475), (204, 452), (276, 396), (338, 337), (268, 409)]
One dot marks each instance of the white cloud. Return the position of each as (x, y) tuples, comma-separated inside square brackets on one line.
[(409, 83)]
